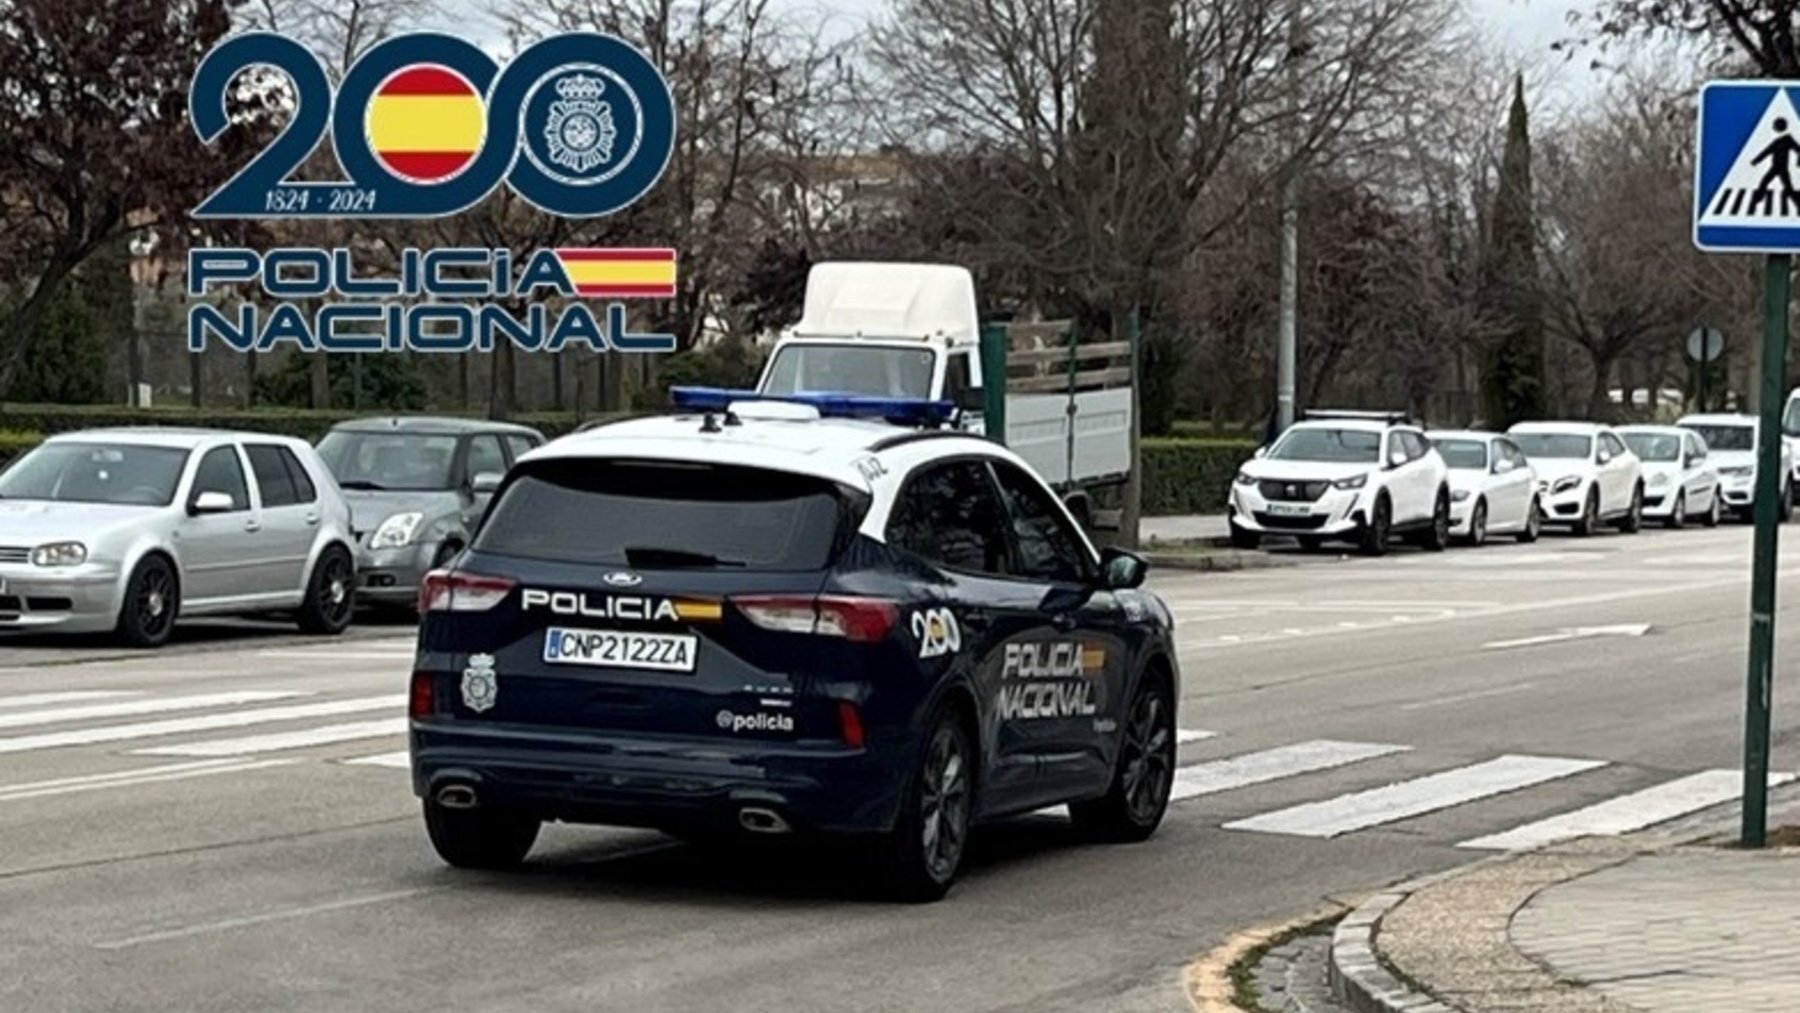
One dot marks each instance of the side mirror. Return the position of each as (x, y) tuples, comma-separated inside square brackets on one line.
[(1397, 459), (1261, 452), (212, 503), (485, 483), (1122, 570), (1603, 457), (1502, 466), (971, 399)]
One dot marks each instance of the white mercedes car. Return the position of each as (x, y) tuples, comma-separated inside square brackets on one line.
[(1354, 476), (1731, 443), (1587, 476), (1493, 489), (1681, 482)]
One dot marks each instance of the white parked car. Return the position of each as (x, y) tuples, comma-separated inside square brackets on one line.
[(1731, 443), (1586, 474), (1355, 476), (1681, 481), (1493, 489)]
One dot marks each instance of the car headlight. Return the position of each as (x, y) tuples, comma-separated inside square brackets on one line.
[(397, 530), (1245, 478), (1353, 482), (1459, 495), (59, 554), (1565, 483), (1658, 481)]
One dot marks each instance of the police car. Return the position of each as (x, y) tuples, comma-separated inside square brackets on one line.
[(760, 615)]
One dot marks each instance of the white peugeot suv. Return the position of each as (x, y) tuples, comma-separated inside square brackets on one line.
[(1354, 476)]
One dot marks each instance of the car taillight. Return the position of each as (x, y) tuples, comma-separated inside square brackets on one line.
[(451, 591), (422, 701), (859, 619), (850, 724)]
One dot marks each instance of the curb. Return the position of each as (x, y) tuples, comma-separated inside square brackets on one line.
[(1357, 976), (1219, 561), (1207, 981)]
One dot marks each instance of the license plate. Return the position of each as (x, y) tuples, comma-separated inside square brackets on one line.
[(1290, 509), (661, 652)]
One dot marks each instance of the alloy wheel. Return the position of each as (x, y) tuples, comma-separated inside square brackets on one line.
[(944, 803)]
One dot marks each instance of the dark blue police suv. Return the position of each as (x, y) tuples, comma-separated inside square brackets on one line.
[(767, 618)]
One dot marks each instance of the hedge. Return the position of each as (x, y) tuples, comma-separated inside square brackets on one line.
[(1181, 476)]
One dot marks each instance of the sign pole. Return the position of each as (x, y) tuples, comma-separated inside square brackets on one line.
[(1776, 277)]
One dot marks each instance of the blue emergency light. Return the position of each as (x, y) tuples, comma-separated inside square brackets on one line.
[(899, 411)]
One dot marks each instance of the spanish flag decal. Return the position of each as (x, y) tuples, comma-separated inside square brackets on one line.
[(699, 611), (426, 123), (1093, 660), (620, 274)]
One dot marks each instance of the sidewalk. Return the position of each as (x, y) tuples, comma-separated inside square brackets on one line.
[(1652, 924)]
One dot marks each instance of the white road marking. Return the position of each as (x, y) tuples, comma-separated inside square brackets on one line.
[(71, 696), (1183, 736), (1235, 772), (1406, 799), (274, 742), (401, 760), (339, 655), (129, 708), (205, 722), (1571, 633), (1480, 694), (1656, 804), (133, 778), (264, 918)]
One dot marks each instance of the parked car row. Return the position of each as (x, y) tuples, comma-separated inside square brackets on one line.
[(128, 530), (1367, 477)]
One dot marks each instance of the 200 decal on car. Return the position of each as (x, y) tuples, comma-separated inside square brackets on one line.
[(664, 652)]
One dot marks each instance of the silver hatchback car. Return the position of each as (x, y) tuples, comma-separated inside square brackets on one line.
[(125, 530)]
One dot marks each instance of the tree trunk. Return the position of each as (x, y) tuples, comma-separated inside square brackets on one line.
[(321, 381), (556, 381), (134, 367), (1599, 404), (580, 392), (501, 382), (250, 378), (16, 329), (462, 381), (1125, 327), (196, 379)]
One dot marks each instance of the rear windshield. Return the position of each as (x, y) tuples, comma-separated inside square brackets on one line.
[(1463, 455), (670, 515), (1657, 447), (1726, 437), (1555, 446)]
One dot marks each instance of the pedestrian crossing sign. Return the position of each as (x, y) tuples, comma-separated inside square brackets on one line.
[(1747, 169)]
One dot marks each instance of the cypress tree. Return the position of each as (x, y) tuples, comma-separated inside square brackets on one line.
[(1513, 382)]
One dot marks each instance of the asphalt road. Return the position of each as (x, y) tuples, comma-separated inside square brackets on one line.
[(230, 871)]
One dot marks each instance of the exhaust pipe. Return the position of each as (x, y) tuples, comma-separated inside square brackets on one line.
[(456, 796), (762, 821)]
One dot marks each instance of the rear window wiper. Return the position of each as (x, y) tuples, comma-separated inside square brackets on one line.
[(362, 485), (640, 555)]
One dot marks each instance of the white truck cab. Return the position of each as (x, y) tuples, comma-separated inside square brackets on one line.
[(908, 330)]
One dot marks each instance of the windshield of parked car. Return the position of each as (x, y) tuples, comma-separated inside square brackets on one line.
[(872, 370), (1654, 446), (1349, 446), (1555, 446), (1727, 437), (378, 461), (71, 472), (1464, 455)]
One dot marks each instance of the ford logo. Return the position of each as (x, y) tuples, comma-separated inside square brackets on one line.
[(619, 578)]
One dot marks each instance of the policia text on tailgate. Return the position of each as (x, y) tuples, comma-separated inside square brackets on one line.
[(776, 616)]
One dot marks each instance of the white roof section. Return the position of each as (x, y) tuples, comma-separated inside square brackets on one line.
[(1718, 419), (1581, 428), (1462, 434), (828, 448), (183, 437), (1652, 429), (889, 300), (1354, 424)]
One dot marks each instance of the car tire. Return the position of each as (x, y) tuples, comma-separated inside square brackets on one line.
[(151, 605), (1478, 521), (1372, 540), (480, 838), (1436, 537), (1712, 517), (1590, 516), (921, 860), (330, 593), (1678, 512), (1134, 804), (1241, 539), (1633, 521), (1534, 522)]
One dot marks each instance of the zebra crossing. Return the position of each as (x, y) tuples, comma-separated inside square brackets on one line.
[(215, 734)]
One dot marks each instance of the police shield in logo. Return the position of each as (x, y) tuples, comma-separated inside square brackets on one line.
[(479, 684), (579, 131)]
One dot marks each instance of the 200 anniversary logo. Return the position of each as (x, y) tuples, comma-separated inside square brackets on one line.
[(423, 126)]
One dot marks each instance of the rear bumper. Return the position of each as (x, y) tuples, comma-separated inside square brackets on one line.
[(579, 777)]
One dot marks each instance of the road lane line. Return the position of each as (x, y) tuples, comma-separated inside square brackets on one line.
[(1183, 736), (1406, 799), (205, 722), (71, 696), (1241, 771), (276, 741), (338, 655), (1640, 809), (401, 760), (1480, 694), (263, 919), (130, 708), (149, 775)]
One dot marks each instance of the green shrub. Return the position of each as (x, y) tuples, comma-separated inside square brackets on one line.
[(14, 443), (1190, 476)]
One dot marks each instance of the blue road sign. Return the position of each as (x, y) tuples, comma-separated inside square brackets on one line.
[(1747, 169)]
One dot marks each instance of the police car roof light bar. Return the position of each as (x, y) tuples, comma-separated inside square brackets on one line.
[(901, 411)]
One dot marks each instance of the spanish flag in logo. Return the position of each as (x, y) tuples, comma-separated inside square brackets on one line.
[(620, 274), (426, 123)]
